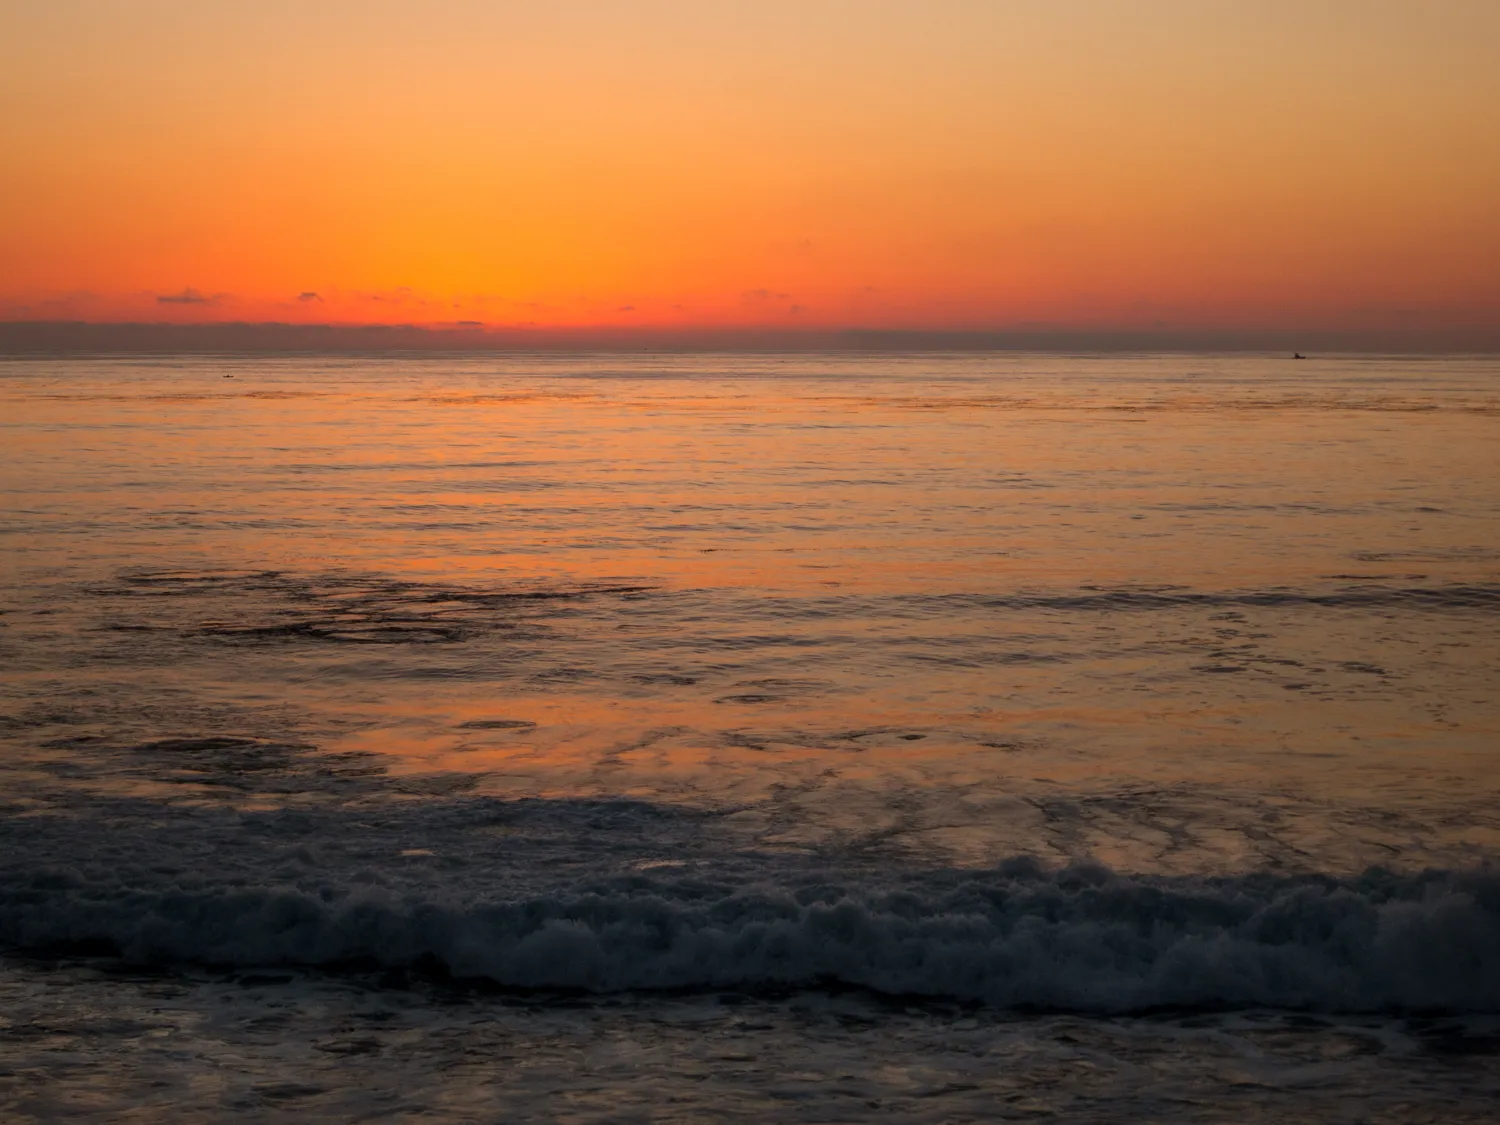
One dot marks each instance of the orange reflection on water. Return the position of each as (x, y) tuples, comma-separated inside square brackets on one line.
[(979, 604)]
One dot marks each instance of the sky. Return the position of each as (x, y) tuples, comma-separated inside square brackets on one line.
[(879, 164)]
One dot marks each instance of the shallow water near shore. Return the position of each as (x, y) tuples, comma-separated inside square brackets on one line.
[(642, 737)]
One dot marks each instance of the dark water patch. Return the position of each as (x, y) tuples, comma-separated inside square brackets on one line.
[(869, 733), (1450, 554), (384, 634), (566, 674), (273, 607), (232, 762), (774, 689), (339, 585), (1467, 597), (1456, 1041)]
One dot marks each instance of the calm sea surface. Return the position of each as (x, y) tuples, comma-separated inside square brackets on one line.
[(784, 737)]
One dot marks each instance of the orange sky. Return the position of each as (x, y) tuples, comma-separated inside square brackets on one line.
[(944, 163)]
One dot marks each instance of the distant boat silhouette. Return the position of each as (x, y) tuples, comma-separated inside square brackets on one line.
[(1298, 355)]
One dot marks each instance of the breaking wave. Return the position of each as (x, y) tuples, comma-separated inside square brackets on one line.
[(1083, 939)]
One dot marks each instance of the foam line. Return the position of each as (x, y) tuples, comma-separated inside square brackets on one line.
[(1086, 941)]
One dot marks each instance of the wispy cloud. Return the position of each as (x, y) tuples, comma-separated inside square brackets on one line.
[(188, 296), (308, 296)]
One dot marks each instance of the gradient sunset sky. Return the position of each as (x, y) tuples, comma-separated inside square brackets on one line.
[(936, 164)]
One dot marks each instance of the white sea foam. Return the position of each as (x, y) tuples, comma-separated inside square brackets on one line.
[(1082, 939)]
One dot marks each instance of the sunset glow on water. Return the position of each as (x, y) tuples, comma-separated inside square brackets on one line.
[(678, 643)]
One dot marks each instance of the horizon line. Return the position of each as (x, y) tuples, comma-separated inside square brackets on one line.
[(19, 338)]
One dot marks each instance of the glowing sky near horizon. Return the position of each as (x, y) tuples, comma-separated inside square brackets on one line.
[(948, 163)]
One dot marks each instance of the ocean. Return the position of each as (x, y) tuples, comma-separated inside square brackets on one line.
[(782, 737)]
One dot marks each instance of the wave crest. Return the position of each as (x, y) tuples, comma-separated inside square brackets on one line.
[(1079, 940)]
